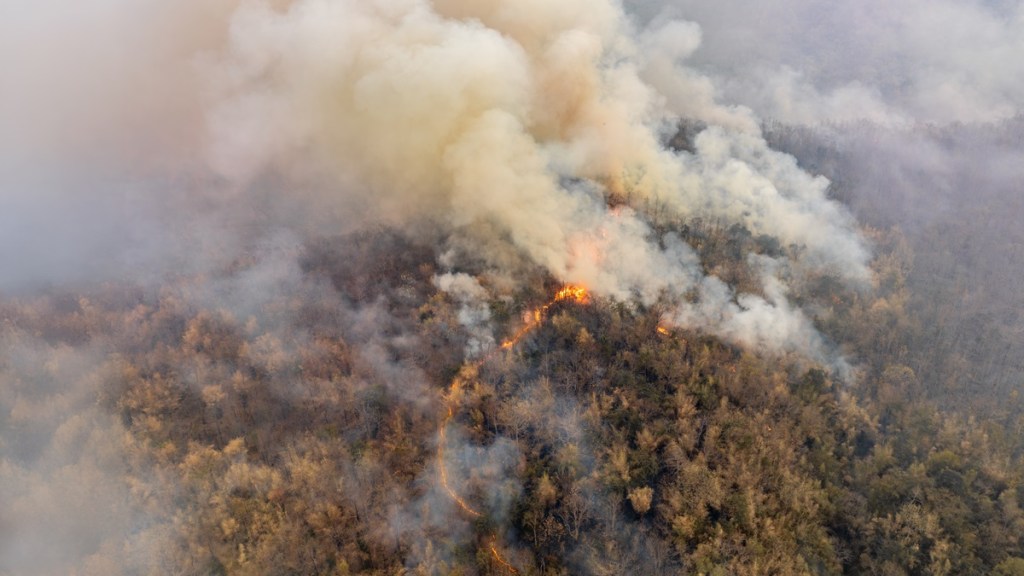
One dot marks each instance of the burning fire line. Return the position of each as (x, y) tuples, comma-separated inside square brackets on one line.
[(535, 318), (577, 294), (500, 559), (442, 442)]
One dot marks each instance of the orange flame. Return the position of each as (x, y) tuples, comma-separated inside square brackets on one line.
[(505, 563), (663, 331), (572, 292), (453, 398), (534, 319), (443, 470)]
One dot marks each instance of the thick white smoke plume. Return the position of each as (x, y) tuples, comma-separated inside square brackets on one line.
[(521, 120), (495, 121)]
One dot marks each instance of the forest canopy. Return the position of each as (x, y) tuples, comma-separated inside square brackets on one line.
[(445, 287)]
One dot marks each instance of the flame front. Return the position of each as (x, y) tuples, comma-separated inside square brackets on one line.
[(501, 560), (453, 394), (572, 292), (534, 319)]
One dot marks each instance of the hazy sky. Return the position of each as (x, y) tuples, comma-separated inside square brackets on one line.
[(818, 61), (140, 137), (114, 113)]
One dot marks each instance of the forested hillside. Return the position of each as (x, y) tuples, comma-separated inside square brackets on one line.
[(952, 195), (277, 438), (495, 287)]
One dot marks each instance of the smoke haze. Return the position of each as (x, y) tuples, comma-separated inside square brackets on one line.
[(809, 62), (452, 114), (220, 146)]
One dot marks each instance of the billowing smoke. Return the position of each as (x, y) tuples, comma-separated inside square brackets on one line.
[(474, 118), (147, 140), (520, 123)]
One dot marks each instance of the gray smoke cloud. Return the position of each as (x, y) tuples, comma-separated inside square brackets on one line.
[(810, 61)]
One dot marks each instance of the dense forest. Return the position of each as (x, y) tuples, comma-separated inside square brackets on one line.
[(432, 287), (277, 437), (953, 194)]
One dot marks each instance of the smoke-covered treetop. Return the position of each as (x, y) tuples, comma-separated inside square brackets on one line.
[(495, 287)]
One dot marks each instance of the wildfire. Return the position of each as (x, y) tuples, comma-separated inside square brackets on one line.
[(532, 320), (663, 331), (497, 556), (443, 470), (453, 398), (571, 292)]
